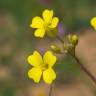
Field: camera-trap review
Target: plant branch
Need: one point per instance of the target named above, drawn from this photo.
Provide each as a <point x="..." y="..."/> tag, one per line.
<point x="72" y="53"/>
<point x="60" y="39"/>
<point x="85" y="69"/>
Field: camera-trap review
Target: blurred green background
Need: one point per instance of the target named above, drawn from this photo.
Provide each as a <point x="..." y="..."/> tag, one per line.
<point x="17" y="42"/>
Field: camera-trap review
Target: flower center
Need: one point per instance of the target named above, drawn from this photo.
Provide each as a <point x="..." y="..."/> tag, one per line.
<point x="46" y="26"/>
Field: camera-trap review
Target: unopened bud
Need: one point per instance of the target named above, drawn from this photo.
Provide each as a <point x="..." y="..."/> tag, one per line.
<point x="73" y="39"/>
<point x="68" y="47"/>
<point x="55" y="49"/>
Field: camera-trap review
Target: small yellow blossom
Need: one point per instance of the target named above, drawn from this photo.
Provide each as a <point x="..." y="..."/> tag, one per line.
<point x="93" y="22"/>
<point x="42" y="67"/>
<point x="44" y="24"/>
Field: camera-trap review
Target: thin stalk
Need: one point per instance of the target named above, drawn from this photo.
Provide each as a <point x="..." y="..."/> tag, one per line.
<point x="50" y="90"/>
<point x="60" y="39"/>
<point x="85" y="70"/>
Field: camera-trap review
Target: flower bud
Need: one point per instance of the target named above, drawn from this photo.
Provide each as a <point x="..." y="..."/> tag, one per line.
<point x="73" y="39"/>
<point x="68" y="48"/>
<point x="55" y="49"/>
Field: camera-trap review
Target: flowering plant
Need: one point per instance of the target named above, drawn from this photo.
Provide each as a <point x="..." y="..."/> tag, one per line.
<point x="42" y="66"/>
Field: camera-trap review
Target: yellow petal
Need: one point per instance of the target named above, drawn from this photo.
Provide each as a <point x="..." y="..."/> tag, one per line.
<point x="39" y="33"/>
<point x="49" y="75"/>
<point x="49" y="58"/>
<point x="93" y="22"/>
<point x="35" y="59"/>
<point x="37" y="22"/>
<point x="54" y="23"/>
<point x="47" y="15"/>
<point x="35" y="74"/>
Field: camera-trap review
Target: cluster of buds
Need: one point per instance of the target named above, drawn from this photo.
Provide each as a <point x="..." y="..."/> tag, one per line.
<point x="72" y="41"/>
<point x="56" y="49"/>
<point x="69" y="47"/>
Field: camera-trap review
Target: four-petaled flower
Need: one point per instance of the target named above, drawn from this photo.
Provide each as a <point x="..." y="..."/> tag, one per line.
<point x="42" y="67"/>
<point x="44" y="25"/>
<point x="93" y="22"/>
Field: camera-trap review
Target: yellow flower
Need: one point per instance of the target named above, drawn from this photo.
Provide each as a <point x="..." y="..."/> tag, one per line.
<point x="44" y="24"/>
<point x="93" y="22"/>
<point x="42" y="67"/>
